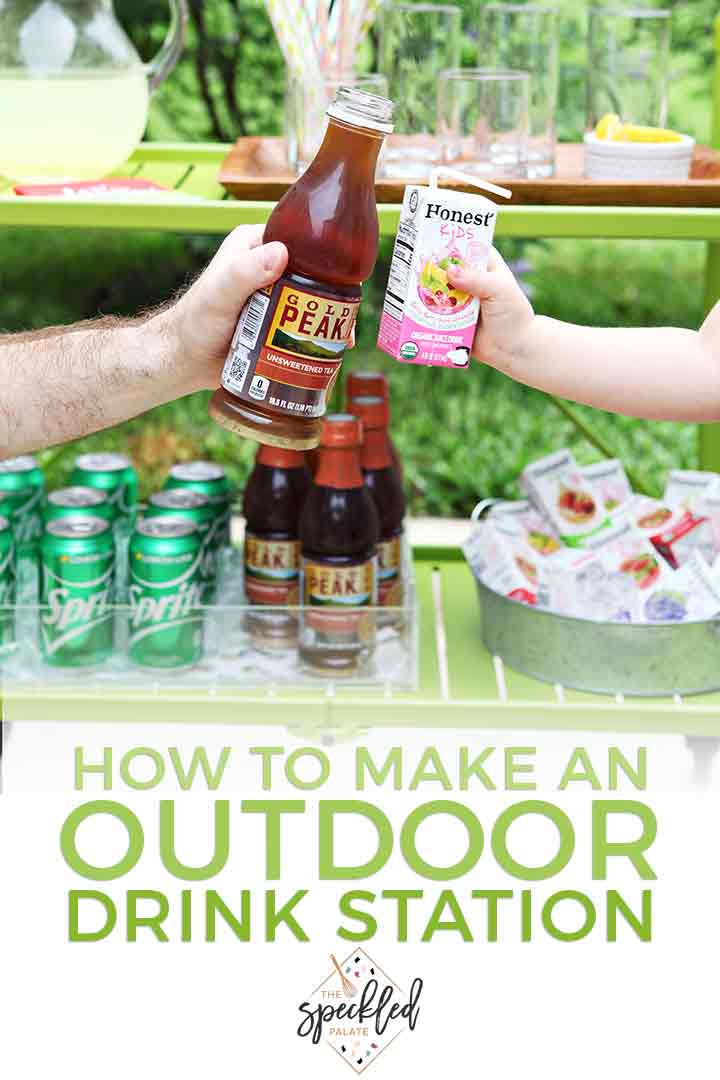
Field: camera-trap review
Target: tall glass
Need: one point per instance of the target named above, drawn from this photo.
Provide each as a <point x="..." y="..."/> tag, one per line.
<point x="524" y="37"/>
<point x="483" y="116"/>
<point x="306" y="105"/>
<point x="628" y="61"/>
<point x="417" y="42"/>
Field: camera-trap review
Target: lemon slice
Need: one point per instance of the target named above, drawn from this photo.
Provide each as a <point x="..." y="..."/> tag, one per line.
<point x="636" y="133"/>
<point x="607" y="125"/>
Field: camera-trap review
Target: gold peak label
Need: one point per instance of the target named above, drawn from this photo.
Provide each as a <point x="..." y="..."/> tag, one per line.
<point x="389" y="570"/>
<point x="271" y="571"/>
<point x="342" y="586"/>
<point x="302" y="317"/>
<point x="288" y="346"/>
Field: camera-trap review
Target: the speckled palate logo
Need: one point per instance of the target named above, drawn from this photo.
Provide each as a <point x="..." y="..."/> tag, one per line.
<point x="358" y="1010"/>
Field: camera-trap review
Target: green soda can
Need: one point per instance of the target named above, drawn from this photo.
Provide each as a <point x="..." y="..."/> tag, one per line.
<point x="21" y="494"/>
<point x="211" y="480"/>
<point x="194" y="506"/>
<point x="113" y="474"/>
<point x="79" y="502"/>
<point x="166" y="594"/>
<point x="77" y="570"/>
<point x="7" y="589"/>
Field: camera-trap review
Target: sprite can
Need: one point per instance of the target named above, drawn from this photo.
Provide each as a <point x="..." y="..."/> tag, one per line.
<point x="7" y="589"/>
<point x="76" y="592"/>
<point x="193" y="505"/>
<point x="78" y="502"/>
<point x="211" y="480"/>
<point x="21" y="495"/>
<point x="166" y="594"/>
<point x="113" y="474"/>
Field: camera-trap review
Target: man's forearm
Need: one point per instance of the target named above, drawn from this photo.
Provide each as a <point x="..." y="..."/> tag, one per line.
<point x="60" y="384"/>
<point x="659" y="373"/>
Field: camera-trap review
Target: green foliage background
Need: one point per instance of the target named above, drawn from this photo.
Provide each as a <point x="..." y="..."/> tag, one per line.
<point x="462" y="435"/>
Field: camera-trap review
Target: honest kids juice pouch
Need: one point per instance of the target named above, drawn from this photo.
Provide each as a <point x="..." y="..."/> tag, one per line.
<point x="566" y="497"/>
<point x="425" y="319"/>
<point x="685" y="486"/>
<point x="500" y="558"/>
<point x="610" y="481"/>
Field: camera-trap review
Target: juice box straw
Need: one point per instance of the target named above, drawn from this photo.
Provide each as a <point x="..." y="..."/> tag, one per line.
<point x="465" y="178"/>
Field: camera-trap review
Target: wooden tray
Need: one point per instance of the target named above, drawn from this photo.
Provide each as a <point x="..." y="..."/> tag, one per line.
<point x="256" y="169"/>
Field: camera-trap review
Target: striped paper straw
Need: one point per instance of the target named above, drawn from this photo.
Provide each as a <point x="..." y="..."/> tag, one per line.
<point x="292" y="30"/>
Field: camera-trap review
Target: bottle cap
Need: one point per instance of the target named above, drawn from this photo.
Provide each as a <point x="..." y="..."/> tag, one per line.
<point x="279" y="458"/>
<point x="361" y="109"/>
<point x="373" y="411"/>
<point x="360" y="383"/>
<point x="341" y="429"/>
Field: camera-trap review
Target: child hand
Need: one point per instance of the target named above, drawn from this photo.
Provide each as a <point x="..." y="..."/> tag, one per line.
<point x="506" y="314"/>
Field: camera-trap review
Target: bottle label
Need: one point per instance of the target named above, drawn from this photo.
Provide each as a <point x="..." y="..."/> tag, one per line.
<point x="332" y="586"/>
<point x="338" y="588"/>
<point x="272" y="570"/>
<point x="288" y="346"/>
<point x="390" y="591"/>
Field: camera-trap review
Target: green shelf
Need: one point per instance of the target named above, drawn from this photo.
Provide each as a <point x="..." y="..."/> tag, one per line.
<point x="460" y="686"/>
<point x="191" y="169"/>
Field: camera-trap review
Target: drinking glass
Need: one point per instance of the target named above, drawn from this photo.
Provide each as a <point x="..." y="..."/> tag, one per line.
<point x="628" y="58"/>
<point x="417" y="42"/>
<point x="306" y="103"/>
<point x="483" y="120"/>
<point x="524" y="37"/>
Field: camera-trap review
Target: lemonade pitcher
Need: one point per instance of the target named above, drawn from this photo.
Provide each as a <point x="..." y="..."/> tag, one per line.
<point x="74" y="93"/>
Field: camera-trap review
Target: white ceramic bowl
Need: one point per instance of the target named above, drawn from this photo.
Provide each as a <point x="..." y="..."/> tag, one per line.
<point x="608" y="160"/>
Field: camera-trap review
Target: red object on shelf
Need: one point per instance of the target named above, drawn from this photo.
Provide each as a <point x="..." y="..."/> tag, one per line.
<point x="98" y="188"/>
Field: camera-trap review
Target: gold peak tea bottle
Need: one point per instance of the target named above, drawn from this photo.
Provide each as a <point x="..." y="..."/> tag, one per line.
<point x="372" y="384"/>
<point x="384" y="485"/>
<point x="291" y="336"/>
<point x="339" y="534"/>
<point x="274" y="497"/>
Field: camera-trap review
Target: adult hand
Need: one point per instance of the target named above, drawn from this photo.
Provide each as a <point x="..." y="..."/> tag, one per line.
<point x="202" y="322"/>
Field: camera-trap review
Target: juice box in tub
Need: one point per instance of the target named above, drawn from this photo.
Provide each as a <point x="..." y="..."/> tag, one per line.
<point x="610" y="481"/>
<point x="709" y="505"/>
<point x="426" y="320"/>
<point x="568" y="499"/>
<point x="530" y="524"/>
<point x="648" y="515"/>
<point x="689" y="593"/>
<point x="608" y="577"/>
<point x="685" y="532"/>
<point x="674" y="531"/>
<point x="685" y="486"/>
<point x="499" y="557"/>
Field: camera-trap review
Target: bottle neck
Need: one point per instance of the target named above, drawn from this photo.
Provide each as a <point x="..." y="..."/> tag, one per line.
<point x="279" y="458"/>
<point x="339" y="467"/>
<point x="354" y="147"/>
<point x="375" y="453"/>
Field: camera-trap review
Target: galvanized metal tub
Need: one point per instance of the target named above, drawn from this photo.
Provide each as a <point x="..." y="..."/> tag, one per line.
<point x="657" y="660"/>
<point x="602" y="657"/>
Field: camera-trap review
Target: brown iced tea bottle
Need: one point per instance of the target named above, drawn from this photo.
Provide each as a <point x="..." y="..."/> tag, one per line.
<point x="291" y="336"/>
<point x="272" y="504"/>
<point x="372" y="384"/>
<point x="339" y="534"/>
<point x="383" y="484"/>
